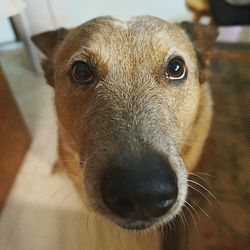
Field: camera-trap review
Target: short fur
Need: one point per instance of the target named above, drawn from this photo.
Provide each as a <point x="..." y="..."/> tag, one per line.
<point x="131" y="107"/>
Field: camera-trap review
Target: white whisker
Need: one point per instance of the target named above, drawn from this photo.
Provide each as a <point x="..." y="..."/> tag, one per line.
<point x="65" y="198"/>
<point x="195" y="224"/>
<point x="202" y="210"/>
<point x="205" y="174"/>
<point x="198" y="191"/>
<point x="186" y="222"/>
<point x="196" y="175"/>
<point x="193" y="209"/>
<point x="197" y="183"/>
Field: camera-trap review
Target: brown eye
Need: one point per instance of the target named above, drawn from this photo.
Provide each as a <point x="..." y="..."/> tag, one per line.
<point x="176" y="69"/>
<point x="82" y="73"/>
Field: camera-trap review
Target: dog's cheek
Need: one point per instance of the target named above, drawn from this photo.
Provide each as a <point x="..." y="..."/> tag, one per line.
<point x="68" y="107"/>
<point x="66" y="115"/>
<point x="186" y="113"/>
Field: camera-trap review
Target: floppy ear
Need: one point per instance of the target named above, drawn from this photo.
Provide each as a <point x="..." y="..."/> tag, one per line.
<point x="203" y="38"/>
<point x="47" y="43"/>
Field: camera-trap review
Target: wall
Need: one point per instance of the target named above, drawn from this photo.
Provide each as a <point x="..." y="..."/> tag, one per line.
<point x="6" y="33"/>
<point x="52" y="14"/>
<point x="46" y="15"/>
<point x="57" y="13"/>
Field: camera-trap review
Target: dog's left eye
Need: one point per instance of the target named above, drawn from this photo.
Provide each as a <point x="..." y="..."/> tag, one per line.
<point x="176" y="69"/>
<point x="82" y="73"/>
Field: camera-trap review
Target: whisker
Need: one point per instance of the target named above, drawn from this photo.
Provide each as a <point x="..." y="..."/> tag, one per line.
<point x="53" y="195"/>
<point x="197" y="183"/>
<point x="204" y="173"/>
<point x="196" y="175"/>
<point x="180" y="215"/>
<point x="202" y="210"/>
<point x="184" y="217"/>
<point x="163" y="231"/>
<point x="198" y="191"/>
<point x="169" y="226"/>
<point x="193" y="209"/>
<point x="195" y="224"/>
<point x="65" y="198"/>
<point x="174" y="225"/>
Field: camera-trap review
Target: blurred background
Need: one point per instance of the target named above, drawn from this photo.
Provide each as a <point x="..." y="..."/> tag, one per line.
<point x="40" y="16"/>
<point x="31" y="198"/>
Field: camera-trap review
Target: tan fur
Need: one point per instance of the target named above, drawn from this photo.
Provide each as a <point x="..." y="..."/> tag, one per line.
<point x="192" y="151"/>
<point x="131" y="107"/>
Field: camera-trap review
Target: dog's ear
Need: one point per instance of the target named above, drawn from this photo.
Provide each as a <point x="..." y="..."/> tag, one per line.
<point x="47" y="43"/>
<point x="203" y="38"/>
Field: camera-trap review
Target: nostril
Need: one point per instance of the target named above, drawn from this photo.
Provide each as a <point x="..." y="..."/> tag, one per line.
<point x="124" y="204"/>
<point x="166" y="203"/>
<point x="149" y="190"/>
<point x="168" y="199"/>
<point x="121" y="205"/>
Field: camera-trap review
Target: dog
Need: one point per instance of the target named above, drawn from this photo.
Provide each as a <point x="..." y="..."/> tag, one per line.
<point x="134" y="110"/>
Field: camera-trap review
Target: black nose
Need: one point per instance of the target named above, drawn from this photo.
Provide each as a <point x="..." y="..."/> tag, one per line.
<point x="140" y="189"/>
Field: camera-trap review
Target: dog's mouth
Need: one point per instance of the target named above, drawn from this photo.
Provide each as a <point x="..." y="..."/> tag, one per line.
<point x="142" y="223"/>
<point x="136" y="225"/>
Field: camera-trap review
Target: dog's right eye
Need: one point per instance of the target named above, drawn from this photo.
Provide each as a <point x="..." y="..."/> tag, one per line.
<point x="82" y="73"/>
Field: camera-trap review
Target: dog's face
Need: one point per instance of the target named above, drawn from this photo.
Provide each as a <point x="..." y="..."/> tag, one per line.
<point x="127" y="93"/>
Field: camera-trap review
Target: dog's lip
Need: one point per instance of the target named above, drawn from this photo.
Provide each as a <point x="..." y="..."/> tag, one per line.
<point x="140" y="225"/>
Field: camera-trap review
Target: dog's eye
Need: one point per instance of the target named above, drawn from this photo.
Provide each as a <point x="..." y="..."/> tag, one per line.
<point x="82" y="73"/>
<point x="176" y="69"/>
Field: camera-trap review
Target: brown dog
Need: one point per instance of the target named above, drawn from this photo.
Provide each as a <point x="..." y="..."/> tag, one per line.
<point x="134" y="110"/>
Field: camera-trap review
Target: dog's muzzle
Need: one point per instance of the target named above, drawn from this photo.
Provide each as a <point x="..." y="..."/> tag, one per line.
<point x="139" y="188"/>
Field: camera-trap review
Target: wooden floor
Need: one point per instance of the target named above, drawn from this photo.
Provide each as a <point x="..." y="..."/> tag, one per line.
<point x="14" y="139"/>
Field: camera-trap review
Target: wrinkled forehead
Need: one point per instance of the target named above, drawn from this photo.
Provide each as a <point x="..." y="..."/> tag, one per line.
<point x="114" y="40"/>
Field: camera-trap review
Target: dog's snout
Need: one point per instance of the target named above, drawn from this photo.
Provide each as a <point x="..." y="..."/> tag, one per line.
<point x="140" y="191"/>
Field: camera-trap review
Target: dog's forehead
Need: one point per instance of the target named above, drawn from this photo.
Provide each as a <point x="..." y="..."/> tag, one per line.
<point x="114" y="39"/>
<point x="137" y="32"/>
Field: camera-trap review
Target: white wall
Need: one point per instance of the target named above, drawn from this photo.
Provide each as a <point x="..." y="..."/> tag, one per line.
<point x="77" y="11"/>
<point x="51" y="14"/>
<point x="6" y="33"/>
<point x="56" y="13"/>
<point x="43" y="15"/>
